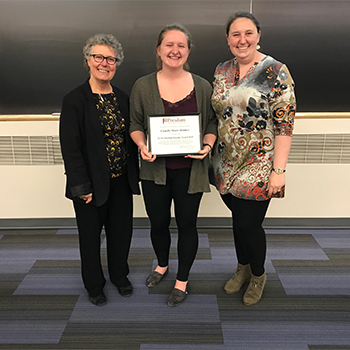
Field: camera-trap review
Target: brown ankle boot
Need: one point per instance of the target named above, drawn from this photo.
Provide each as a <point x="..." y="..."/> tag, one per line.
<point x="242" y="275"/>
<point x="255" y="290"/>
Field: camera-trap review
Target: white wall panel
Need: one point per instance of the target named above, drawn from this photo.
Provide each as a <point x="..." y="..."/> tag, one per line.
<point x="312" y="190"/>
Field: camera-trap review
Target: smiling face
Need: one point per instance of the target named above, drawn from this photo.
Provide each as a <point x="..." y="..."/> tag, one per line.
<point x="173" y="50"/>
<point x="242" y="39"/>
<point x="101" y="72"/>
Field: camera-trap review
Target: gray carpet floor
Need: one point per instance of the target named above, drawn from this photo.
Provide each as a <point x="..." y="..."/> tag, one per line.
<point x="306" y="302"/>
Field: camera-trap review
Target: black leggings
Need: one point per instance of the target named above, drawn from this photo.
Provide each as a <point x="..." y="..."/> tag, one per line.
<point x="248" y="233"/>
<point x="158" y="200"/>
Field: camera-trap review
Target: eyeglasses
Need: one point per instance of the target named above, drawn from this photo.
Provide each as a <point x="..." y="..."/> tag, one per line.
<point x="99" y="59"/>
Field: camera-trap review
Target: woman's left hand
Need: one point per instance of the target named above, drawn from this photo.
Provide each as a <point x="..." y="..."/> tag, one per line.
<point x="276" y="182"/>
<point x="201" y="154"/>
<point x="86" y="197"/>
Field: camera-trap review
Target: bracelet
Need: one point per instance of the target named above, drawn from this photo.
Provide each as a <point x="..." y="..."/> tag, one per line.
<point x="207" y="144"/>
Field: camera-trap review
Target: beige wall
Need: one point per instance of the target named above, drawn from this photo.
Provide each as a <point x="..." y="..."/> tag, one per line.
<point x="313" y="190"/>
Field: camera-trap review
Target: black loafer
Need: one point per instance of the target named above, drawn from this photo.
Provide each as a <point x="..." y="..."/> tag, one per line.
<point x="100" y="300"/>
<point x="155" y="277"/>
<point x="177" y="297"/>
<point x="125" y="291"/>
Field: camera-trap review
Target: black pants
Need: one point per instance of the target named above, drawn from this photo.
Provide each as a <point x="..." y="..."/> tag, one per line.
<point x="116" y="216"/>
<point x="158" y="200"/>
<point x="249" y="235"/>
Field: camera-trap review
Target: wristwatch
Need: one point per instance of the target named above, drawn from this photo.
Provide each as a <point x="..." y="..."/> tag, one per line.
<point x="279" y="171"/>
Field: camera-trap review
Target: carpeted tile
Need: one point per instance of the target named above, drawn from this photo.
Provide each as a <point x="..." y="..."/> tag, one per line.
<point x="316" y="284"/>
<point x="337" y="239"/>
<point x="18" y="266"/>
<point x="50" y="284"/>
<point x="145" y="307"/>
<point x="31" y="332"/>
<point x="306" y="304"/>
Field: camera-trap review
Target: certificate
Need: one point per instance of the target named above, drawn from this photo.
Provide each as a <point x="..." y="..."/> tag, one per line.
<point x="174" y="134"/>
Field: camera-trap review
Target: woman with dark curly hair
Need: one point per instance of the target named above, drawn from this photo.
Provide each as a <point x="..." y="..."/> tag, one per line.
<point x="255" y="105"/>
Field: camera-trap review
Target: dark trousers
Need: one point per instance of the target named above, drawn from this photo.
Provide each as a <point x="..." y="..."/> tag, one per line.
<point x="249" y="235"/>
<point x="116" y="217"/>
<point x="158" y="200"/>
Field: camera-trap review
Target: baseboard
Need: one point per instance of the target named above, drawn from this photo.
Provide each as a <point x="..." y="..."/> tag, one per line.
<point x="202" y="223"/>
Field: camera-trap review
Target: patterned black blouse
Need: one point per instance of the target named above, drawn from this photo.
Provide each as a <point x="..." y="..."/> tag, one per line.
<point x="113" y="128"/>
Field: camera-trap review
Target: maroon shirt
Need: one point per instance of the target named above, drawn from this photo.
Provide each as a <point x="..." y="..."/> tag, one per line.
<point x="186" y="105"/>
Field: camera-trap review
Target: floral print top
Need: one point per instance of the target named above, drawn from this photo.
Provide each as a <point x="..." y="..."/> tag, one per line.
<point x="251" y="111"/>
<point x="113" y="128"/>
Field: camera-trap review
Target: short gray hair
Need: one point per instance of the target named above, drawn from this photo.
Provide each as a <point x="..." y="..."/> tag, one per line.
<point x="103" y="39"/>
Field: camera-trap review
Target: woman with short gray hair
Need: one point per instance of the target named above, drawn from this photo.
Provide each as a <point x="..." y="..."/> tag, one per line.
<point x="101" y="166"/>
<point x="106" y="40"/>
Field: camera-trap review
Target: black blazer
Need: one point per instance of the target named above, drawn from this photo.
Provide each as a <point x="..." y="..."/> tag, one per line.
<point x="84" y="149"/>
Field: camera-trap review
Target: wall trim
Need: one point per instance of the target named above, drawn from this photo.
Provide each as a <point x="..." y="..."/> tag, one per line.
<point x="56" y="116"/>
<point x="202" y="223"/>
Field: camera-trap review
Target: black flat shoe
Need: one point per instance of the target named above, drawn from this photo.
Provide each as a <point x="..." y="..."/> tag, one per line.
<point x="125" y="291"/>
<point x="155" y="277"/>
<point x="177" y="297"/>
<point x="100" y="300"/>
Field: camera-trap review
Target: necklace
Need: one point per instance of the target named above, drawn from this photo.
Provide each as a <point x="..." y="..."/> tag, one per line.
<point x="111" y="109"/>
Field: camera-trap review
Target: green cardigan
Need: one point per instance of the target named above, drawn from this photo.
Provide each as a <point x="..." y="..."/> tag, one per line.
<point x="145" y="100"/>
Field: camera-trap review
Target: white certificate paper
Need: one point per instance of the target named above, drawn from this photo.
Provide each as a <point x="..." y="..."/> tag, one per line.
<point x="172" y="135"/>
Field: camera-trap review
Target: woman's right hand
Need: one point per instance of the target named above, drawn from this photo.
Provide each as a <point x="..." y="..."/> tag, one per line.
<point x="139" y="138"/>
<point x="146" y="155"/>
